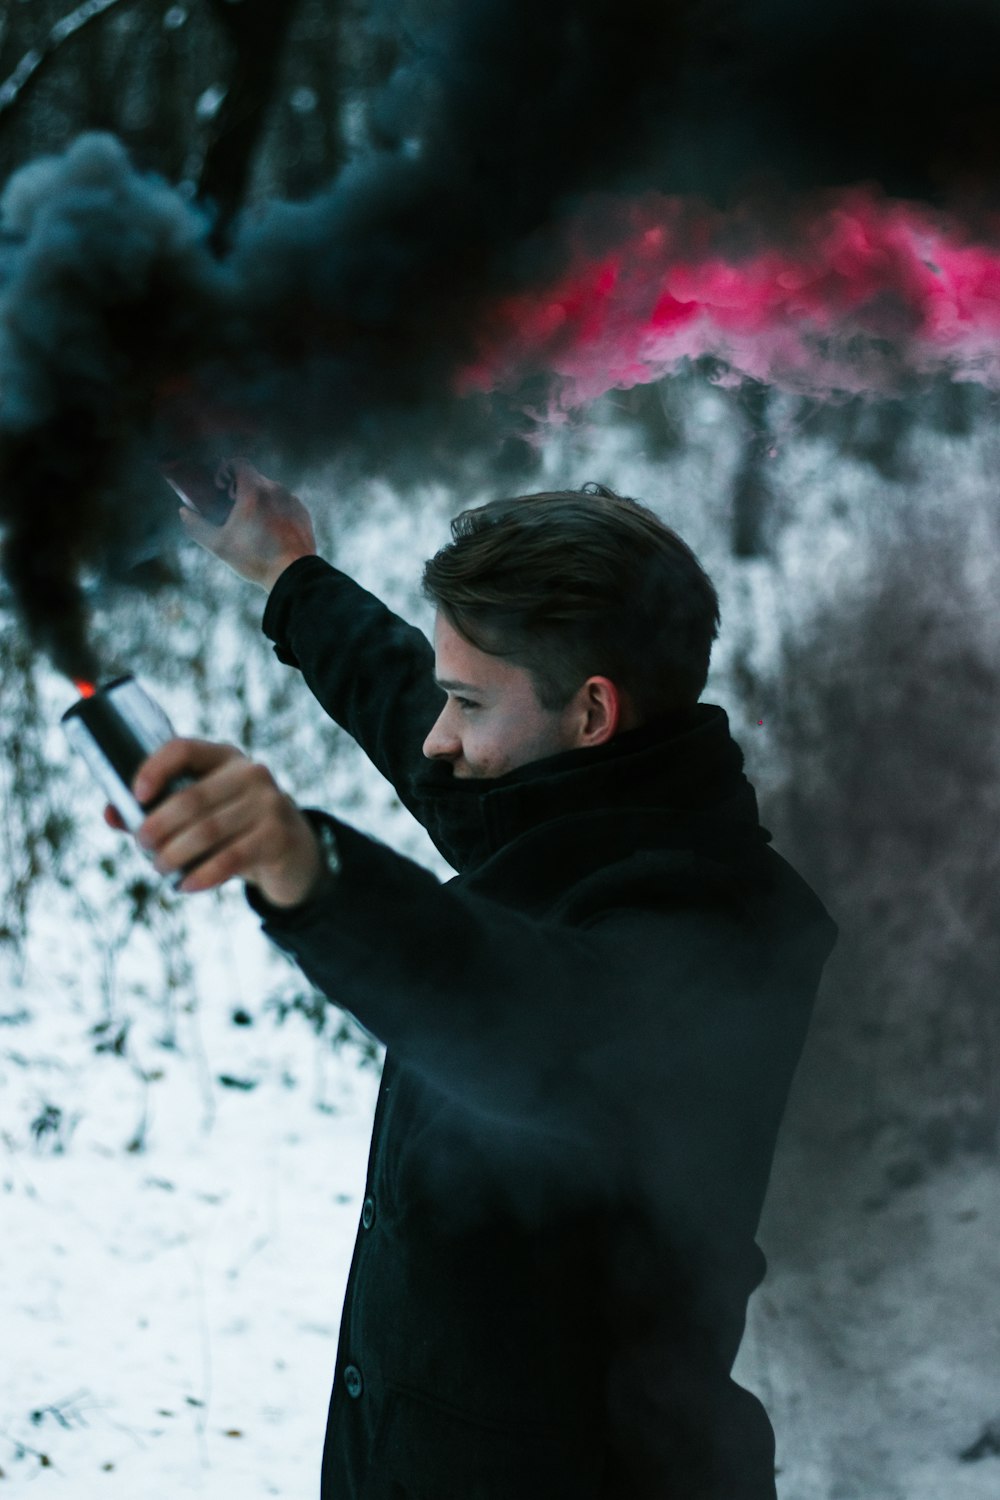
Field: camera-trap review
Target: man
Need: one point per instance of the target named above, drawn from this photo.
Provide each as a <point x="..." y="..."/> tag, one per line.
<point x="591" y="1031"/>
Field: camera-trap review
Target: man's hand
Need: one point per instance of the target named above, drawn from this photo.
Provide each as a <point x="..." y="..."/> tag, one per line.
<point x="267" y="529"/>
<point x="233" y="821"/>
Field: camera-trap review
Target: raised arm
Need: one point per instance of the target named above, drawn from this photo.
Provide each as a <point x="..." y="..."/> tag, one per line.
<point x="370" y="670"/>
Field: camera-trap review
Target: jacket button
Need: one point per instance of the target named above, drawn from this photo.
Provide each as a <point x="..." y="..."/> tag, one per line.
<point x="368" y="1213"/>
<point x="352" y="1379"/>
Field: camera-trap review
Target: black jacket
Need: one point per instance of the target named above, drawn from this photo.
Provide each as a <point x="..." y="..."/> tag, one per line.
<point x="591" y="1034"/>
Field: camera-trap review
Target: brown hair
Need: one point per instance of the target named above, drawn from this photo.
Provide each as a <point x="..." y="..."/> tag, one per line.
<point x="572" y="584"/>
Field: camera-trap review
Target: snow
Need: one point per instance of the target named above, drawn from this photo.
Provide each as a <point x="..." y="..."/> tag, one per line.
<point x="170" y="1313"/>
<point x="877" y="1361"/>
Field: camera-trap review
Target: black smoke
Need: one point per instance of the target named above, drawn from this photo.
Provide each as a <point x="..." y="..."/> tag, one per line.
<point x="337" y="326"/>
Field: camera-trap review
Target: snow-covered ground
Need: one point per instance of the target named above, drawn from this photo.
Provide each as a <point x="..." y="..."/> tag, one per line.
<point x="174" y="1248"/>
<point x="877" y="1353"/>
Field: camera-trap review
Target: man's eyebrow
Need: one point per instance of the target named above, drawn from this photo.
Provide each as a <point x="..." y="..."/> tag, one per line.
<point x="456" y="687"/>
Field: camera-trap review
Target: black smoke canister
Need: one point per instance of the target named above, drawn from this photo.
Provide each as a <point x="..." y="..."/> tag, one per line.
<point x="113" y="731"/>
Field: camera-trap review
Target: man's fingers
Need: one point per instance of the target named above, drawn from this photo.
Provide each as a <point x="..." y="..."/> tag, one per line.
<point x="190" y="841"/>
<point x="114" y="819"/>
<point x="235" y="858"/>
<point x="278" y="853"/>
<point x="179" y="757"/>
<point x="232" y="820"/>
<point x="189" y="810"/>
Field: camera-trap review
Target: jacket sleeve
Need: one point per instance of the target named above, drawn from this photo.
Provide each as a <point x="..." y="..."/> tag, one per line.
<point x="371" y="671"/>
<point x="560" y="1029"/>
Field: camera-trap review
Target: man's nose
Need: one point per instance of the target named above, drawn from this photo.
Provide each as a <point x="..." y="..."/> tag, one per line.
<point x="442" y="743"/>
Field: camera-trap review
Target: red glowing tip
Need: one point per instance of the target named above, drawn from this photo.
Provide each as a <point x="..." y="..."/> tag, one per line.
<point x="85" y="689"/>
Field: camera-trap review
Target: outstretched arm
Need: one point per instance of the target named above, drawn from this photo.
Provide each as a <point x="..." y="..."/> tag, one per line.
<point x="517" y="1018"/>
<point x="372" y="672"/>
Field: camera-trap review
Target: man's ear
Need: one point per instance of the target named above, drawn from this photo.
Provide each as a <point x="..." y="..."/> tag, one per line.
<point x="598" y="707"/>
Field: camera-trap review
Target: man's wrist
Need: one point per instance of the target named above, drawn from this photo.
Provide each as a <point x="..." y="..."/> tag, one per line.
<point x="322" y="871"/>
<point x="282" y="566"/>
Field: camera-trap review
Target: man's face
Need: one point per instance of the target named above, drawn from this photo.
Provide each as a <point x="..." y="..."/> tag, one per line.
<point x="492" y="721"/>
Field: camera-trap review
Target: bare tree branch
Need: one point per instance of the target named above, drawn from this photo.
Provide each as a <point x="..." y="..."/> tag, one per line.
<point x="257" y="31"/>
<point x="13" y="87"/>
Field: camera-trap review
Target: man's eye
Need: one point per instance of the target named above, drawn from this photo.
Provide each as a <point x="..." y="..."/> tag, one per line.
<point x="466" y="703"/>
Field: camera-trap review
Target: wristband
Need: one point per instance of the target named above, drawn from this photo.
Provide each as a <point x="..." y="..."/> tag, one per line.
<point x="329" y="853"/>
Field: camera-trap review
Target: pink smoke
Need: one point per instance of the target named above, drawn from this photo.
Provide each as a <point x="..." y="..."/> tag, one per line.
<point x="859" y="294"/>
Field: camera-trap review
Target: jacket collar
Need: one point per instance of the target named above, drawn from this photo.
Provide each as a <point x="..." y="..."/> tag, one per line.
<point x="688" y="764"/>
